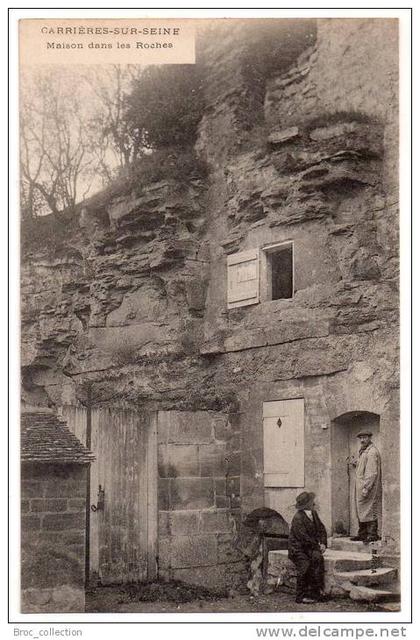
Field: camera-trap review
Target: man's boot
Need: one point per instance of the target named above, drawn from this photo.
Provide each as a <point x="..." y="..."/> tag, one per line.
<point x="372" y="531"/>
<point x="362" y="533"/>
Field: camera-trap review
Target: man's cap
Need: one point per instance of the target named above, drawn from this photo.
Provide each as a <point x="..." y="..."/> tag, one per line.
<point x="364" y="433"/>
<point x="304" y="500"/>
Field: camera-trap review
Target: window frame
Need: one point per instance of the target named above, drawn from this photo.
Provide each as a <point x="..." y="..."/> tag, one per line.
<point x="266" y="281"/>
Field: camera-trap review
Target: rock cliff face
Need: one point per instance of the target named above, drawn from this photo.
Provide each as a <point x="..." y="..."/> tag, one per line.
<point x="301" y="145"/>
<point x="134" y="287"/>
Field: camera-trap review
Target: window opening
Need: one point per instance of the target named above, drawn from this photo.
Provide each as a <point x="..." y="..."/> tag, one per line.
<point x="280" y="271"/>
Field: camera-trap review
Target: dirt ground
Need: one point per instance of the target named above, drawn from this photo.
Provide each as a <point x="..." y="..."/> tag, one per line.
<point x="117" y="599"/>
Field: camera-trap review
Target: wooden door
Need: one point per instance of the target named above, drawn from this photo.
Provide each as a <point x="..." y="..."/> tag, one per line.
<point x="283" y="425"/>
<point x="123" y="535"/>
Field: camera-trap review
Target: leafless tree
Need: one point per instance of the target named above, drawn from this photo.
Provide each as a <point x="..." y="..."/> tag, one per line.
<point x="55" y="155"/>
<point x="115" y="146"/>
<point x="73" y="134"/>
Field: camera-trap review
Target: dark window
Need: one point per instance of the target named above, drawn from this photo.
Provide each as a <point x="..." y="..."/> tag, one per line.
<point x="281" y="272"/>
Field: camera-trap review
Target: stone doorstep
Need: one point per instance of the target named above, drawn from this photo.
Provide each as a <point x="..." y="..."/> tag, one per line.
<point x="345" y="544"/>
<point x="367" y="594"/>
<point x="365" y="577"/>
<point x="389" y="605"/>
<point x="335" y="560"/>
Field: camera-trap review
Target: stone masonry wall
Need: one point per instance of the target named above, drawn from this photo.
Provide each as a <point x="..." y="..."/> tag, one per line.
<point x="199" y="498"/>
<point x="53" y="507"/>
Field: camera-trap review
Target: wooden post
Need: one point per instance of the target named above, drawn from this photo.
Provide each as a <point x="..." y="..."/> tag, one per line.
<point x="152" y="507"/>
<point x="88" y="445"/>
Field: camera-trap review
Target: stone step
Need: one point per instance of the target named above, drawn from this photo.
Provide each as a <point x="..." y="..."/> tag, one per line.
<point x="365" y="577"/>
<point x="334" y="560"/>
<point x="369" y="594"/>
<point x="282" y="572"/>
<point x="345" y="544"/>
<point x="390" y="605"/>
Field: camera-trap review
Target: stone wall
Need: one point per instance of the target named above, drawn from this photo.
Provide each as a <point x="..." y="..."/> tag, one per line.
<point x="53" y="507"/>
<point x="199" y="498"/>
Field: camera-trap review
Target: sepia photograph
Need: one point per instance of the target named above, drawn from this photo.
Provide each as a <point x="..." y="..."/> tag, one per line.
<point x="210" y="313"/>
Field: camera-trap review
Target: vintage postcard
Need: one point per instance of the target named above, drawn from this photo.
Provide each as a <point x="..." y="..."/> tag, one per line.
<point x="210" y="312"/>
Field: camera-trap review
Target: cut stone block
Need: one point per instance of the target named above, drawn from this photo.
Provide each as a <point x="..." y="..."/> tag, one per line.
<point x="193" y="551"/>
<point x="61" y="599"/>
<point x="367" y="594"/>
<point x="393" y="606"/>
<point x="192" y="493"/>
<point x="188" y="428"/>
<point x="213" y="460"/>
<point x="281" y="568"/>
<point x="346" y="560"/>
<point x="183" y="522"/>
<point x="163" y="494"/>
<point x="165" y="553"/>
<point x="178" y="460"/>
<point x="215" y="522"/>
<point x="365" y="577"/>
<point x="345" y="544"/>
<point x="334" y="559"/>
<point x="163" y="524"/>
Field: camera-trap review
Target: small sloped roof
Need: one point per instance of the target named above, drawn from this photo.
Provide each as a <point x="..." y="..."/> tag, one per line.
<point x="46" y="438"/>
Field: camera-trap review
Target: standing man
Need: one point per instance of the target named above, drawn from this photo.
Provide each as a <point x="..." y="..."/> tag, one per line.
<point x="368" y="488"/>
<point x="307" y="543"/>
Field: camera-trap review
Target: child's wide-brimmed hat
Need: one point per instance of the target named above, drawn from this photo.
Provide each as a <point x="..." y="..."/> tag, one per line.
<point x="305" y="500"/>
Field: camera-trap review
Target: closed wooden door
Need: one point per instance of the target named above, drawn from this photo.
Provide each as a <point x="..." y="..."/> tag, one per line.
<point x="122" y="532"/>
<point x="283" y="425"/>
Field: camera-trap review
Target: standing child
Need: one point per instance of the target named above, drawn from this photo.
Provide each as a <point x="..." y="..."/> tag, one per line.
<point x="307" y="543"/>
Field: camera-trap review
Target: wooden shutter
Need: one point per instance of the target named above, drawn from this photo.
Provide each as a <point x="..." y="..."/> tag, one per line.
<point x="283" y="424"/>
<point x="243" y="279"/>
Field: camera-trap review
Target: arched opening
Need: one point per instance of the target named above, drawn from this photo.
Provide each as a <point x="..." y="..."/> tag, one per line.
<point x="344" y="445"/>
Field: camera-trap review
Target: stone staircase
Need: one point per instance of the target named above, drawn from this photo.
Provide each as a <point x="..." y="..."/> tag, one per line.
<point x="348" y="573"/>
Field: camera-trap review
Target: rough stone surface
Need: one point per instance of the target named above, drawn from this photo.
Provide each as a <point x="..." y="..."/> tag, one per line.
<point x="192" y="493"/>
<point x="282" y="572"/>
<point x="134" y="300"/>
<point x="53" y="540"/>
<point x="367" y="594"/>
<point x="198" y="511"/>
<point x="178" y="460"/>
<point x="278" y="137"/>
<point x="193" y="551"/>
<point x="365" y="577"/>
<point x="61" y="599"/>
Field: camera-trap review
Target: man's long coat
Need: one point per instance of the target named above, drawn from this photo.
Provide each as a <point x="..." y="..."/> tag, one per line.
<point x="368" y="481"/>
<point x="305" y="536"/>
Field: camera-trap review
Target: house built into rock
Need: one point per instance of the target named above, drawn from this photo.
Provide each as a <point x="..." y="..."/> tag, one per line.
<point x="219" y="340"/>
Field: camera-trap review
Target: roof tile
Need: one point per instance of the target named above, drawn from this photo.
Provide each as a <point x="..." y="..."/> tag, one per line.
<point x="46" y="438"/>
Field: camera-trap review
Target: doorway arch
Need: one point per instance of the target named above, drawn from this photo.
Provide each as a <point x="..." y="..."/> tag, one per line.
<point x="344" y="444"/>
